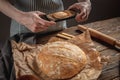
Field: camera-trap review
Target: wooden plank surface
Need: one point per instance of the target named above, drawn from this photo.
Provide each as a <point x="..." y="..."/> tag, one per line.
<point x="110" y="27"/>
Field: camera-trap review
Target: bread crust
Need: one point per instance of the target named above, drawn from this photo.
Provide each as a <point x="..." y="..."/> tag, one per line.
<point x="61" y="15"/>
<point x="61" y="60"/>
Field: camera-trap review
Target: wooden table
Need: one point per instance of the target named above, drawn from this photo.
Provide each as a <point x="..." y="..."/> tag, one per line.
<point x="110" y="27"/>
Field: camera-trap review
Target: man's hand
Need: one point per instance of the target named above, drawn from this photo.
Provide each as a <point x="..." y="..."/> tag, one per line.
<point x="34" y="22"/>
<point x="83" y="8"/>
<point x="31" y="20"/>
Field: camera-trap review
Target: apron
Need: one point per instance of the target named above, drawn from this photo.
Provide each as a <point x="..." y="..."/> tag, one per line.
<point x="46" y="6"/>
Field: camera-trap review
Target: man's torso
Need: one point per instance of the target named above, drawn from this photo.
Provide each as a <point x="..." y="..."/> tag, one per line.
<point x="46" y="6"/>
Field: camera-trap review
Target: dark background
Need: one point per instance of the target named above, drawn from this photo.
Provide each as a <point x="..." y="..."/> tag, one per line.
<point x="101" y="9"/>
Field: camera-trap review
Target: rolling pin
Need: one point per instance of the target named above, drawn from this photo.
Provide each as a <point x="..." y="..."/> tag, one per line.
<point x="103" y="37"/>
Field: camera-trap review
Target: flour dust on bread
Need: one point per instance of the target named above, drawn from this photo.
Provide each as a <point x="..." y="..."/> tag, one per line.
<point x="61" y="60"/>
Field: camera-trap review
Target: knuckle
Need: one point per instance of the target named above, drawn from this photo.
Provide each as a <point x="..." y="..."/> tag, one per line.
<point x="33" y="25"/>
<point x="34" y="30"/>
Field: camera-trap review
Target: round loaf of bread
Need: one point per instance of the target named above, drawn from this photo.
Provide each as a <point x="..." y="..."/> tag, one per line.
<point x="61" y="60"/>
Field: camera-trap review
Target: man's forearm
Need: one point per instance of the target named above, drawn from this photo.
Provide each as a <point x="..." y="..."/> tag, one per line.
<point x="9" y="10"/>
<point x="86" y="2"/>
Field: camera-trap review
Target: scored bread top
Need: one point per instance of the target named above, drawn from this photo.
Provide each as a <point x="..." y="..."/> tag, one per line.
<point x="61" y="60"/>
<point x="61" y="15"/>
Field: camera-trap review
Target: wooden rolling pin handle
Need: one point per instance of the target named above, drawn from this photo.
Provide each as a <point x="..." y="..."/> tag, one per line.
<point x="101" y="36"/>
<point x="117" y="44"/>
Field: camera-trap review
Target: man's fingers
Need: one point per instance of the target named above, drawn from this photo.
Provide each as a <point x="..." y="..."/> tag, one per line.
<point x="41" y="24"/>
<point x="50" y="23"/>
<point x="83" y="11"/>
<point x="40" y="13"/>
<point x="82" y="16"/>
<point x="45" y="22"/>
<point x="79" y="16"/>
<point x="74" y="6"/>
<point x="70" y="7"/>
<point x="40" y="28"/>
<point x="85" y="14"/>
